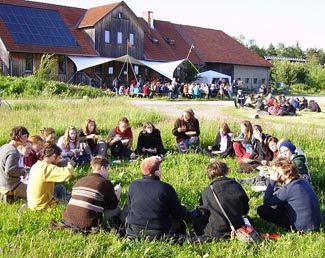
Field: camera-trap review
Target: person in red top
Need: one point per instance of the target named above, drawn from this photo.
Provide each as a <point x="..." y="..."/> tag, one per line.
<point x="187" y="131"/>
<point x="120" y="139"/>
<point x="35" y="155"/>
<point x="146" y="90"/>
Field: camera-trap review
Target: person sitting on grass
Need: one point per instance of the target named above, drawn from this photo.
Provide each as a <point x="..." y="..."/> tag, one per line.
<point x="89" y="138"/>
<point x="208" y="219"/>
<point x="10" y="172"/>
<point x="222" y="146"/>
<point x="297" y="205"/>
<point x="35" y="155"/>
<point x="43" y="175"/>
<point x="153" y="208"/>
<point x="94" y="200"/>
<point x="187" y="131"/>
<point x="149" y="141"/>
<point x="120" y="140"/>
<point x="48" y="134"/>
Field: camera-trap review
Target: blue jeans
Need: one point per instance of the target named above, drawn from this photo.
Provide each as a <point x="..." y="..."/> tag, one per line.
<point x="184" y="146"/>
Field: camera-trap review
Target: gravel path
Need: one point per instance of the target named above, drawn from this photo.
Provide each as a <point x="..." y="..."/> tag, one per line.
<point x="204" y="110"/>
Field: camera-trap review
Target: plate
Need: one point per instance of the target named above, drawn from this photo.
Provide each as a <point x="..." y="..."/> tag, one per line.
<point x="190" y="133"/>
<point x="124" y="141"/>
<point x="247" y="160"/>
<point x="259" y="188"/>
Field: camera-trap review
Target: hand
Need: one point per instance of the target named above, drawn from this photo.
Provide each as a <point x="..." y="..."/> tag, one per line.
<point x="72" y="162"/>
<point x="274" y="174"/>
<point x="209" y="147"/>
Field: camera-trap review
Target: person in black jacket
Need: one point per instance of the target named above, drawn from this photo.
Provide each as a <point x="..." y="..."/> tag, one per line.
<point x="222" y="145"/>
<point x="208" y="219"/>
<point x="149" y="141"/>
<point x="154" y="210"/>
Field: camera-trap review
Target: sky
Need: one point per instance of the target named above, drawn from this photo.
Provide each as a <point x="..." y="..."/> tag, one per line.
<point x="266" y="22"/>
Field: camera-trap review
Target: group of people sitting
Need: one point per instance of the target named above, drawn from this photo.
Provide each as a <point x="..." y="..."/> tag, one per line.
<point x="153" y="209"/>
<point x="276" y="106"/>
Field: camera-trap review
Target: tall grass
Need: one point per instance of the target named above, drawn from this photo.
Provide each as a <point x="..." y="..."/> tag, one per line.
<point x="27" y="235"/>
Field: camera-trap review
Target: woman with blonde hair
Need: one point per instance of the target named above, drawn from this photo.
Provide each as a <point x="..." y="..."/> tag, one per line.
<point x="70" y="146"/>
<point x="89" y="138"/>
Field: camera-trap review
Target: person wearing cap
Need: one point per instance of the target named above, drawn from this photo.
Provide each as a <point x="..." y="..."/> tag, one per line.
<point x="187" y="131"/>
<point x="297" y="205"/>
<point x="289" y="151"/>
<point x="154" y="210"/>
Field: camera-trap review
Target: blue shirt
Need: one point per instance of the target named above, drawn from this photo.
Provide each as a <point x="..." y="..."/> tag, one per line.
<point x="302" y="203"/>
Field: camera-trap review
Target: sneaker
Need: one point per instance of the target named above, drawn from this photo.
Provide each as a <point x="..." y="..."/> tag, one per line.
<point x="133" y="156"/>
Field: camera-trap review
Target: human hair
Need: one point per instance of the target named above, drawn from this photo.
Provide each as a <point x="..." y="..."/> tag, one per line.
<point x="225" y="128"/>
<point x="271" y="139"/>
<point x="288" y="167"/>
<point x="36" y="139"/>
<point x="216" y="169"/>
<point x="249" y="130"/>
<point x="258" y="127"/>
<point x="67" y="139"/>
<point x="98" y="161"/>
<point x="46" y="131"/>
<point x="190" y="112"/>
<point x="145" y="125"/>
<point x="17" y="132"/>
<point x="49" y="149"/>
<point x="85" y="129"/>
<point x="123" y="119"/>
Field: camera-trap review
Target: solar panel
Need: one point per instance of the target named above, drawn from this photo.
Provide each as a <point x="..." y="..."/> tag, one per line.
<point x="36" y="26"/>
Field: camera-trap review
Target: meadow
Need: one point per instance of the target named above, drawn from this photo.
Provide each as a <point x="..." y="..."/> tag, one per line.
<point x="26" y="234"/>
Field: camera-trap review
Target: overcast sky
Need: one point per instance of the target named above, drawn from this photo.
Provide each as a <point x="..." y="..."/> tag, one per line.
<point x="286" y="21"/>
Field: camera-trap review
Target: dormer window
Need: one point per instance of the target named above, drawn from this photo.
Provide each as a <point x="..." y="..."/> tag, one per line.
<point x="169" y="41"/>
<point x="153" y="39"/>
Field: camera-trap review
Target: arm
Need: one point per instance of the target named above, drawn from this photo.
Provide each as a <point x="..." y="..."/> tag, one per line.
<point x="269" y="198"/>
<point x="54" y="173"/>
<point x="11" y="166"/>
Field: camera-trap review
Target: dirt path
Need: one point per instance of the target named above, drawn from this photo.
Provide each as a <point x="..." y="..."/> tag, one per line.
<point x="204" y="110"/>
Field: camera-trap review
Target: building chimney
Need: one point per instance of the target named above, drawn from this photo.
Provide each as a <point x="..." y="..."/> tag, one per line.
<point x="148" y="17"/>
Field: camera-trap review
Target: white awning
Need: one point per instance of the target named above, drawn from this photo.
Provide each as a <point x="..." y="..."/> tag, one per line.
<point x="164" y="68"/>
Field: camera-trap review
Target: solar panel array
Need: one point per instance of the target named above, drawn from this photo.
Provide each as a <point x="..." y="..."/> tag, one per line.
<point x="36" y="26"/>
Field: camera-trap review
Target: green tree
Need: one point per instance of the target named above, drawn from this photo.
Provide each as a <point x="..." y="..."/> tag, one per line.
<point x="284" y="71"/>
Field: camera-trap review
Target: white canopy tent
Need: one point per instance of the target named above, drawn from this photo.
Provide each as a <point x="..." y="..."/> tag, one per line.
<point x="165" y="68"/>
<point x="208" y="76"/>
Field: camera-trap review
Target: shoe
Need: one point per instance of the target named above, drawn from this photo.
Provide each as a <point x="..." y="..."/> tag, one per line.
<point x="133" y="156"/>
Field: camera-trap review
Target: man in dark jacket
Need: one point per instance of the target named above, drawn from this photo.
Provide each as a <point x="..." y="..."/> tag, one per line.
<point x="208" y="218"/>
<point x="154" y="210"/>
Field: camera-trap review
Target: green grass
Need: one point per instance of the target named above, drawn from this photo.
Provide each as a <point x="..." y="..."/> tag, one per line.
<point x="27" y="234"/>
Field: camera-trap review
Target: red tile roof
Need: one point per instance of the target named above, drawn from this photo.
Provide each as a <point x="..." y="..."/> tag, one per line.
<point x="71" y="17"/>
<point x="162" y="50"/>
<point x="95" y="14"/>
<point x="210" y="46"/>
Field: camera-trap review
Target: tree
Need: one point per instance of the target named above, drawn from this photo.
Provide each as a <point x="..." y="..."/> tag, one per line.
<point x="284" y="71"/>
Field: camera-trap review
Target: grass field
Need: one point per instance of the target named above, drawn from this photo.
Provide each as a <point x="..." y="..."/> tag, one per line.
<point x="27" y="235"/>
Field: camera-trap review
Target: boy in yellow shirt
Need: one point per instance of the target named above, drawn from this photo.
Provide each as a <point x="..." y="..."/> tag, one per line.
<point x="43" y="176"/>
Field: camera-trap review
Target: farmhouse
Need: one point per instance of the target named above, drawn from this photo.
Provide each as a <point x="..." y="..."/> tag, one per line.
<point x="94" y="46"/>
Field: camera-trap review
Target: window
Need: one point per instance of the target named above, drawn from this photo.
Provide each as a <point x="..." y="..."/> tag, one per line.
<point x="120" y="15"/>
<point x="247" y="80"/>
<point x="132" y="39"/>
<point x="263" y="80"/>
<point x="110" y="70"/>
<point x="107" y="36"/>
<point x="255" y="81"/>
<point x="136" y="69"/>
<point x="62" y="63"/>
<point x="28" y="63"/>
<point x="119" y="37"/>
